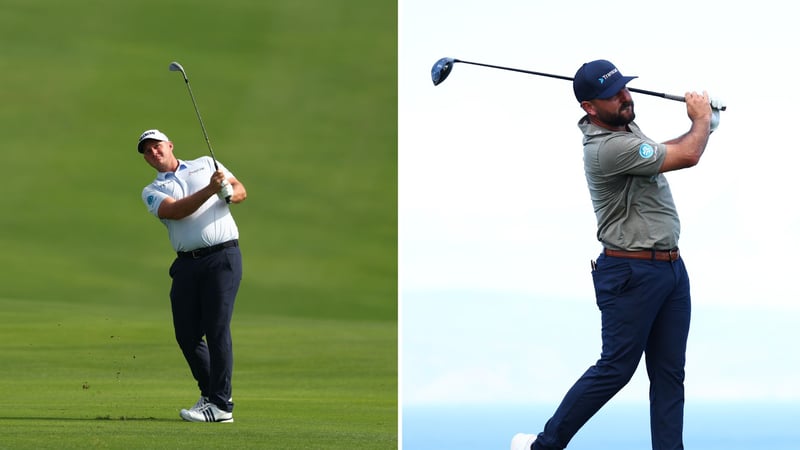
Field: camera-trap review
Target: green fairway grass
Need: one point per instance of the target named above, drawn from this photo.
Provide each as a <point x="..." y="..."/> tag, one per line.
<point x="300" y="103"/>
<point x="111" y="377"/>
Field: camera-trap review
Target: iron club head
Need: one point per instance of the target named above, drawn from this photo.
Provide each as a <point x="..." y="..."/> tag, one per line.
<point x="176" y="67"/>
<point x="441" y="70"/>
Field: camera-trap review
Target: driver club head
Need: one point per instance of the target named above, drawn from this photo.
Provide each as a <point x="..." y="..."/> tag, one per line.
<point x="441" y="70"/>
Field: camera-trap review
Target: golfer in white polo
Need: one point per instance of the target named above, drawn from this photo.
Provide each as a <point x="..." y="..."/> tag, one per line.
<point x="189" y="197"/>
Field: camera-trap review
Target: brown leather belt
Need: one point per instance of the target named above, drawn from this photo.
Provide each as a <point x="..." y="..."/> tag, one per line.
<point x="656" y="255"/>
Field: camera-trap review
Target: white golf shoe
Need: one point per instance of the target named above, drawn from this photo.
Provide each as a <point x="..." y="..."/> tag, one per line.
<point x="202" y="401"/>
<point x="522" y="441"/>
<point x="205" y="411"/>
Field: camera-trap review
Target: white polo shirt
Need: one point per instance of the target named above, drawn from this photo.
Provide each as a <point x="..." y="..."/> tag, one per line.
<point x="211" y="224"/>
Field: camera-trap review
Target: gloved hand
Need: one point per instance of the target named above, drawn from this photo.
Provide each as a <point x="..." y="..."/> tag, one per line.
<point x="714" y="119"/>
<point x="717" y="105"/>
<point x="226" y="192"/>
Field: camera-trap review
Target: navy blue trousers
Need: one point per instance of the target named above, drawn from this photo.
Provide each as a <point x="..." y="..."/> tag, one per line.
<point x="645" y="309"/>
<point x="202" y="295"/>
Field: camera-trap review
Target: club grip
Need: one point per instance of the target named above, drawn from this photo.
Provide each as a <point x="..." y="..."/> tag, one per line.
<point x="228" y="199"/>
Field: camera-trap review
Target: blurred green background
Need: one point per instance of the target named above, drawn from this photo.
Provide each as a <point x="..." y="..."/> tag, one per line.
<point x="300" y="102"/>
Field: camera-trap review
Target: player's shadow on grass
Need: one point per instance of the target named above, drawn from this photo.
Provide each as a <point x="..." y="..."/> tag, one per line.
<point x="98" y="418"/>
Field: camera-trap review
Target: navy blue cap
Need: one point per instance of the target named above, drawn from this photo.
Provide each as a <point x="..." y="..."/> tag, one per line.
<point x="598" y="79"/>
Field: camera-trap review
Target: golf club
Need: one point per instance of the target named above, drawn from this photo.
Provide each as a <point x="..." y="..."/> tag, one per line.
<point x="176" y="67"/>
<point x="442" y="68"/>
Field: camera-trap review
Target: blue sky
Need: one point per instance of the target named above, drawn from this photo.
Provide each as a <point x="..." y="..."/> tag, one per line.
<point x="496" y="227"/>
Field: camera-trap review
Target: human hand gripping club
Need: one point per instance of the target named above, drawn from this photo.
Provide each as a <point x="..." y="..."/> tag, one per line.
<point x="226" y="192"/>
<point x="221" y="186"/>
<point x="701" y="104"/>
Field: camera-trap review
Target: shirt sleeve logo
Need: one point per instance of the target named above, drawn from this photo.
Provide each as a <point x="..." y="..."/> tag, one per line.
<point x="150" y="199"/>
<point x="646" y="151"/>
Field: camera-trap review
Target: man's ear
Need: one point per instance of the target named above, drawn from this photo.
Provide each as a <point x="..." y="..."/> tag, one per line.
<point x="588" y="107"/>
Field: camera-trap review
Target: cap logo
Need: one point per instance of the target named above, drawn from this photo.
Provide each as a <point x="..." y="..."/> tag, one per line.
<point x="607" y="76"/>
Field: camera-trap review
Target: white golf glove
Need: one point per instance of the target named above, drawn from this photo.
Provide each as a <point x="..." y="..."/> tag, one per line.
<point x="714" y="119"/>
<point x="717" y="105"/>
<point x="226" y="191"/>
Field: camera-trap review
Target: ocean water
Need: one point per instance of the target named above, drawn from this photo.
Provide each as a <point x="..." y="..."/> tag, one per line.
<point x="734" y="426"/>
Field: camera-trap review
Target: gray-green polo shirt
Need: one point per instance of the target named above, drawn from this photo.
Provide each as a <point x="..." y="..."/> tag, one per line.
<point x="631" y="199"/>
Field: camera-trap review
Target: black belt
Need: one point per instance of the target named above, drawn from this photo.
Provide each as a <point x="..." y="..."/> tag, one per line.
<point x="200" y="252"/>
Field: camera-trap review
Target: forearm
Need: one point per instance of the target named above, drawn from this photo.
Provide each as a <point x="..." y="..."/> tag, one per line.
<point x="239" y="192"/>
<point x="178" y="209"/>
<point x="697" y="134"/>
<point x="686" y="150"/>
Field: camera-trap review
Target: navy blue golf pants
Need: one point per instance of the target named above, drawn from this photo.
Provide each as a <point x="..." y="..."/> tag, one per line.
<point x="645" y="309"/>
<point x="202" y="295"/>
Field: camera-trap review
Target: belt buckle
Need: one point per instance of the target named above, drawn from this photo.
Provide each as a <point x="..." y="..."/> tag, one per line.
<point x="196" y="254"/>
<point x="673" y="254"/>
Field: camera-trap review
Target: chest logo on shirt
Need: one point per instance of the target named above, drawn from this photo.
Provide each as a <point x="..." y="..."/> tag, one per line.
<point x="646" y="151"/>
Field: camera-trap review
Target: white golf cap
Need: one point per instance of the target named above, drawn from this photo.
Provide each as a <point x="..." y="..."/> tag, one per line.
<point x="151" y="134"/>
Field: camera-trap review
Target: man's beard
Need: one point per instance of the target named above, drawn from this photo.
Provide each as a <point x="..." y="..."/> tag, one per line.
<point x="619" y="119"/>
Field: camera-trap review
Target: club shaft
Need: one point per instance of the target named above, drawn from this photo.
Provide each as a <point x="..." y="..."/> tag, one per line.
<point x="530" y="72"/>
<point x="175" y="66"/>
<point x="561" y="77"/>
<point x="200" y="119"/>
